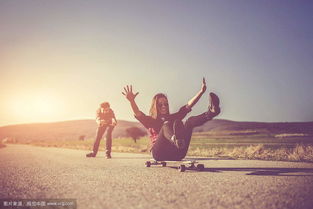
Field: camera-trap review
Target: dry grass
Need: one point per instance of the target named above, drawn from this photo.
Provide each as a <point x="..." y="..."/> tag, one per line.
<point x="236" y="148"/>
<point x="290" y="135"/>
<point x="260" y="152"/>
<point x="2" y="145"/>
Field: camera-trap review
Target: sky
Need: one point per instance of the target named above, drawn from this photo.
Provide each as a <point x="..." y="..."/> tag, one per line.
<point x="60" y="59"/>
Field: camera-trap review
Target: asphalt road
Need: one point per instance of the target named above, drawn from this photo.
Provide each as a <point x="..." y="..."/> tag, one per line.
<point x="28" y="172"/>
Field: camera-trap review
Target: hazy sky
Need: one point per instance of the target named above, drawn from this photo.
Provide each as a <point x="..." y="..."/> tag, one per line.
<point x="60" y="59"/>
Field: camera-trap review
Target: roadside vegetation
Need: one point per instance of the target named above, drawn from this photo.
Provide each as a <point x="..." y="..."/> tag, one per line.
<point x="222" y="145"/>
<point x="2" y="145"/>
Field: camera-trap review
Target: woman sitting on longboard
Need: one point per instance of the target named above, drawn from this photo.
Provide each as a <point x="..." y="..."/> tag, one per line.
<point x="170" y="137"/>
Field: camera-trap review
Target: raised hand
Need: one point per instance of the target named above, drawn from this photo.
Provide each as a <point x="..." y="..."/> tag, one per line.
<point x="128" y="93"/>
<point x="203" y="87"/>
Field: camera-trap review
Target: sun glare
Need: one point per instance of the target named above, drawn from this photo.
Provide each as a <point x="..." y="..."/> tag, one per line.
<point x="44" y="106"/>
<point x="36" y="108"/>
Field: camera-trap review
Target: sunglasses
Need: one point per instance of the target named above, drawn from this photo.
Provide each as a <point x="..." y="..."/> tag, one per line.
<point x="162" y="104"/>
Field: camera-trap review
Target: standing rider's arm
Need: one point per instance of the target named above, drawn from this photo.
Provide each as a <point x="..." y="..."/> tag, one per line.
<point x="98" y="120"/>
<point x="196" y="98"/>
<point x="114" y="121"/>
<point x="130" y="96"/>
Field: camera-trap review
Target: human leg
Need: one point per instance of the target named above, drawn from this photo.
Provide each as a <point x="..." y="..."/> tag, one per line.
<point x="213" y="110"/>
<point x="199" y="120"/>
<point x="100" y="132"/>
<point x="164" y="148"/>
<point x="108" y="142"/>
<point x="174" y="132"/>
<point x="190" y="123"/>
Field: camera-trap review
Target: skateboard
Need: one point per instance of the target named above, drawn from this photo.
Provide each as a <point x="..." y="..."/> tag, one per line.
<point x="183" y="165"/>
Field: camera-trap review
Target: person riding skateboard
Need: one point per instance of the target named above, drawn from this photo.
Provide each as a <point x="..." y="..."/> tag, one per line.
<point x="106" y="121"/>
<point x="169" y="136"/>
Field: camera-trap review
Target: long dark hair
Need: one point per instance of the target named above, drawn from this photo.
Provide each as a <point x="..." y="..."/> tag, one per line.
<point x="154" y="113"/>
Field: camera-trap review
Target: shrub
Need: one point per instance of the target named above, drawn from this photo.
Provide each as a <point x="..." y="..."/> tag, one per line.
<point x="135" y="133"/>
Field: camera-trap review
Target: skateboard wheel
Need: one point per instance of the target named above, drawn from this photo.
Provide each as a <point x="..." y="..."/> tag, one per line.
<point x="148" y="163"/>
<point x="163" y="164"/>
<point x="200" y="167"/>
<point x="182" y="168"/>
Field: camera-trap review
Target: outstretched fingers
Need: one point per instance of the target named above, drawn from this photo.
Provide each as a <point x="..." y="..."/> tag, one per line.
<point x="128" y="92"/>
<point x="203" y="87"/>
<point x="125" y="90"/>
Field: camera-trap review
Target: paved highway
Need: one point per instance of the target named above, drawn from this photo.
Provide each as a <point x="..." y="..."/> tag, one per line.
<point x="28" y="172"/>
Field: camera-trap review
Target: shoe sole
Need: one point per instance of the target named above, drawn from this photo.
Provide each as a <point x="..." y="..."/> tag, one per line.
<point x="179" y="139"/>
<point x="215" y="101"/>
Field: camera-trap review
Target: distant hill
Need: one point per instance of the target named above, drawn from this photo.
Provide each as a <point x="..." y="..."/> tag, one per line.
<point x="61" y="130"/>
<point x="219" y="125"/>
<point x="75" y="129"/>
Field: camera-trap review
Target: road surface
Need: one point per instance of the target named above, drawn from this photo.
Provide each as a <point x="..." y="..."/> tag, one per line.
<point x="124" y="182"/>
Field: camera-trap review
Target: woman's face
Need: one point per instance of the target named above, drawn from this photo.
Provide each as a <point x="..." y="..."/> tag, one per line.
<point x="162" y="105"/>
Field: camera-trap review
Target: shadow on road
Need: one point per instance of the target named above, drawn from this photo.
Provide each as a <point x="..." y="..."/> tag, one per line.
<point x="267" y="171"/>
<point x="124" y="158"/>
<point x="210" y="158"/>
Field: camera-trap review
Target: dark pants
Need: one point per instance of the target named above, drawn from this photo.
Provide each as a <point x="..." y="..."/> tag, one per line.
<point x="100" y="132"/>
<point x="164" y="148"/>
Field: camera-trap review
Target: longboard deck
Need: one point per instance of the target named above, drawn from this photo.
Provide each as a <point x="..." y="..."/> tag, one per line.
<point x="181" y="165"/>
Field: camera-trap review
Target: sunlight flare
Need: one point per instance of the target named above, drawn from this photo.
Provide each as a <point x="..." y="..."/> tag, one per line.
<point x="36" y="107"/>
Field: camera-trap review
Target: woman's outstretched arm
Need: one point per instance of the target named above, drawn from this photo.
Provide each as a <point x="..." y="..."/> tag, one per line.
<point x="130" y="96"/>
<point x="196" y="98"/>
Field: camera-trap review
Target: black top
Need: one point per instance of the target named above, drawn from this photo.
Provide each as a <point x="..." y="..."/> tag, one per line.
<point x="157" y="123"/>
<point x="105" y="115"/>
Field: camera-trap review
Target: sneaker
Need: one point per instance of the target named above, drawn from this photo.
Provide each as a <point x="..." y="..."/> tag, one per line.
<point x="178" y="136"/>
<point x="108" y="156"/>
<point x="91" y="154"/>
<point x="214" y="107"/>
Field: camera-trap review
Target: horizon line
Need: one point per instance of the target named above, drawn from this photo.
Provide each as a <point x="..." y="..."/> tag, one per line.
<point x="71" y="120"/>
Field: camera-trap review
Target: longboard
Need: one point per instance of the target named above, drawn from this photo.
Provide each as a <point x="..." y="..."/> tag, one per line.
<point x="181" y="165"/>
